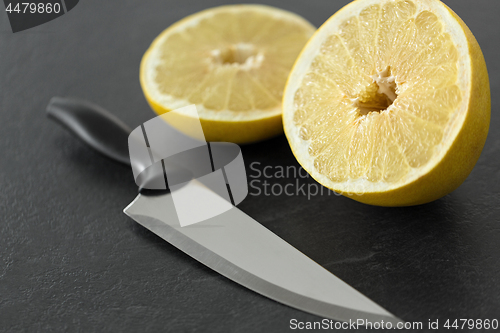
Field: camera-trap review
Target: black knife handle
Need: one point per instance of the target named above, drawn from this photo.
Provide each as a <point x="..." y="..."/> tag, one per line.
<point x="94" y="125"/>
<point x="105" y="133"/>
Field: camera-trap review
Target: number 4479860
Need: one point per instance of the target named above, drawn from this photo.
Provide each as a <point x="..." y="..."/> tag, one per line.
<point x="472" y="324"/>
<point x="31" y="7"/>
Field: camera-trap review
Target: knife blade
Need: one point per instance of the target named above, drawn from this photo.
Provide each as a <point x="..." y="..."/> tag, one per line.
<point x="232" y="243"/>
<point x="238" y="247"/>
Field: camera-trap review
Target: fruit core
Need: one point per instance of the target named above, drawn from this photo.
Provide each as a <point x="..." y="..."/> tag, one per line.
<point x="243" y="55"/>
<point x="378" y="96"/>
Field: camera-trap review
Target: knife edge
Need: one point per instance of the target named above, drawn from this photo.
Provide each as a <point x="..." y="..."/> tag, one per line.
<point x="249" y="280"/>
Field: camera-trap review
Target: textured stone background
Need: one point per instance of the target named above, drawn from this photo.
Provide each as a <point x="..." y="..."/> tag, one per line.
<point x="70" y="260"/>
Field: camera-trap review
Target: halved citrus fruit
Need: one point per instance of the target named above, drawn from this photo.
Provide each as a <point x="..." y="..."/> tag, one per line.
<point x="389" y="102"/>
<point x="232" y="62"/>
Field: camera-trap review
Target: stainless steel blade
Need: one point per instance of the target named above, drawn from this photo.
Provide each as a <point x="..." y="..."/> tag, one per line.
<point x="240" y="248"/>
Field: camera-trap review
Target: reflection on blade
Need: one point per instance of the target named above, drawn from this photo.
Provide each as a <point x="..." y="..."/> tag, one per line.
<point x="240" y="248"/>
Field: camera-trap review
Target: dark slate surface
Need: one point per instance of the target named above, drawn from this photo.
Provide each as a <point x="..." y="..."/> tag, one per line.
<point x="70" y="260"/>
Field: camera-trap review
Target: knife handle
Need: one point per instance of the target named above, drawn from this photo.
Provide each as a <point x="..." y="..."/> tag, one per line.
<point x="107" y="134"/>
<point x="93" y="125"/>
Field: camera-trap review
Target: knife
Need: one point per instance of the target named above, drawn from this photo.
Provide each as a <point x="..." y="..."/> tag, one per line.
<point x="232" y="243"/>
